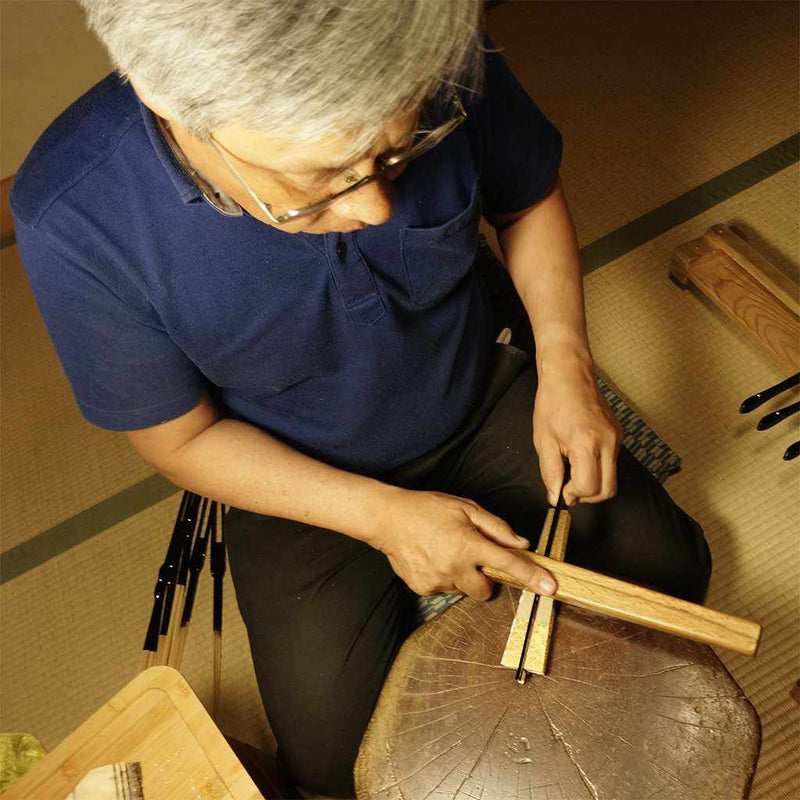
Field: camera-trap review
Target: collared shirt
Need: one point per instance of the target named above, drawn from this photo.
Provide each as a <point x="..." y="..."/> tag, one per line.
<point x="363" y="350"/>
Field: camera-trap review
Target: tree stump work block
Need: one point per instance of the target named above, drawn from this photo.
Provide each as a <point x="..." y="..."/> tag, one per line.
<point x="625" y="713"/>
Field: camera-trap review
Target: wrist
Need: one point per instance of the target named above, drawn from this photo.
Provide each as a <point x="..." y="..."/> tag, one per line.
<point x="563" y="353"/>
<point x="379" y="501"/>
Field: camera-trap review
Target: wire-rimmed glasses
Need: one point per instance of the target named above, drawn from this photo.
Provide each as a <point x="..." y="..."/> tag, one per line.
<point x="384" y="164"/>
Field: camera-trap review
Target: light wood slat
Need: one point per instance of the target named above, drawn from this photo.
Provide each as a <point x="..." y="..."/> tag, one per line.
<point x="516" y="636"/>
<point x="747" y="288"/>
<point x="615" y="598"/>
<point x="539" y="644"/>
<point x="756" y="265"/>
<point x="747" y="302"/>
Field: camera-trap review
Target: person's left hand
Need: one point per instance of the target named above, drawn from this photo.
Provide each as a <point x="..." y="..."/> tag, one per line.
<point x="572" y="420"/>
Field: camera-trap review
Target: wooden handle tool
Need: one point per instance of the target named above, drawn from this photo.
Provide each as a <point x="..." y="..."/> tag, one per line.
<point x="627" y="601"/>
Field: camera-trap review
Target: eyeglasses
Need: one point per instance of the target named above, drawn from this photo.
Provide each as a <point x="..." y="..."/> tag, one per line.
<point x="428" y="141"/>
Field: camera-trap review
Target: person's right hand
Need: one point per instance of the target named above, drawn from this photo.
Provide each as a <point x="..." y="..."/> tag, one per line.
<point x="437" y="542"/>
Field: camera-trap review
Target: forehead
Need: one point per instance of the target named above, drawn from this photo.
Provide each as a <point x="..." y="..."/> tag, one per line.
<point x="283" y="153"/>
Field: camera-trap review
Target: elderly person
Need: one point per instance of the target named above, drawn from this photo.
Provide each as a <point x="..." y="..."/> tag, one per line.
<point x="254" y="249"/>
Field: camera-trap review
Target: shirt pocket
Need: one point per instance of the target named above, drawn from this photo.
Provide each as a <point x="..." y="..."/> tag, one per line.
<point x="437" y="259"/>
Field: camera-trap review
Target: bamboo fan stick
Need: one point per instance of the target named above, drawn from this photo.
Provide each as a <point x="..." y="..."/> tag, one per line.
<point x="150" y="647"/>
<point x="517" y="643"/>
<point x="217" y="564"/>
<point x="539" y="645"/>
<point x="193" y="525"/>
<point x="188" y="525"/>
<point x="196" y="563"/>
<point x="171" y="565"/>
<point x="627" y="601"/>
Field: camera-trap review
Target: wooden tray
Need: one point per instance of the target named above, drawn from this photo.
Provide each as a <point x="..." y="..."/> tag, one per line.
<point x="158" y="721"/>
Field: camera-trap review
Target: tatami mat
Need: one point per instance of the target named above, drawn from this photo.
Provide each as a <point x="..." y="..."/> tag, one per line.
<point x="653" y="98"/>
<point x="687" y="368"/>
<point x="73" y="630"/>
<point x="54" y="463"/>
<point x="47" y="59"/>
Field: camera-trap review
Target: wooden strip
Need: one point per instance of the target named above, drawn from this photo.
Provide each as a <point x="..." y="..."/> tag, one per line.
<point x="519" y="625"/>
<point x="615" y="598"/>
<point x="539" y="646"/>
<point x="756" y="265"/>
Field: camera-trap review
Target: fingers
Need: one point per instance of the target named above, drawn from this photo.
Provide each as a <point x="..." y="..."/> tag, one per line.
<point x="585" y="475"/>
<point x="518" y="567"/>
<point x="593" y="463"/>
<point x="494" y="528"/>
<point x="551" y="467"/>
<point x="608" y="481"/>
<point x="475" y="584"/>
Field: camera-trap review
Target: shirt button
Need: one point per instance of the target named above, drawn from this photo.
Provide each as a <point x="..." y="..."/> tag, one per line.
<point x="341" y="250"/>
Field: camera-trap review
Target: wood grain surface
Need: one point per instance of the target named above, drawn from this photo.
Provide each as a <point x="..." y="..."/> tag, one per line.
<point x="625" y="713"/>
<point x="748" y="303"/>
<point x="747" y="288"/>
<point x="158" y="721"/>
<point x="627" y="601"/>
<point x="787" y="291"/>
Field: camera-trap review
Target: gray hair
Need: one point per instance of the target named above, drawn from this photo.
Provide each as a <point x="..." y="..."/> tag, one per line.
<point x="300" y="68"/>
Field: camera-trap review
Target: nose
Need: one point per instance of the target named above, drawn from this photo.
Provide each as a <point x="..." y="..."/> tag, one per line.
<point x="371" y="204"/>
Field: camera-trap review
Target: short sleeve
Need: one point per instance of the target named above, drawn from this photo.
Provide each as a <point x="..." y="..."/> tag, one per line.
<point x="124" y="370"/>
<point x="520" y="148"/>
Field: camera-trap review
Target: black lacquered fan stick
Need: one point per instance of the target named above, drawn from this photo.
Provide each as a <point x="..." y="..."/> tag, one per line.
<point x="754" y="401"/>
<point x="217" y="565"/>
<point x="792" y="451"/>
<point x="197" y="560"/>
<point x="171" y="565"/>
<point x="154" y="626"/>
<point x="766" y="422"/>
<point x="195" y="565"/>
<point x="190" y="522"/>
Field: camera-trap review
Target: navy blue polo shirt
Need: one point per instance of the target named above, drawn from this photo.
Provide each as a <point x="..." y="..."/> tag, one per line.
<point x="364" y="350"/>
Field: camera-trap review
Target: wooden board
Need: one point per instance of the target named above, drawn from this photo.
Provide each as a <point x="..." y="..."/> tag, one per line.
<point x="722" y="237"/>
<point x="754" y="294"/>
<point x="157" y="720"/>
<point x="625" y="713"/>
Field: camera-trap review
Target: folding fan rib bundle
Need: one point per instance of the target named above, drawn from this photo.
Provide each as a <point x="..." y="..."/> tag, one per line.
<point x="198" y="529"/>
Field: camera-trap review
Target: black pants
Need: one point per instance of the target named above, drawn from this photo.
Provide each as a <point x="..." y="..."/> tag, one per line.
<point x="326" y="615"/>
